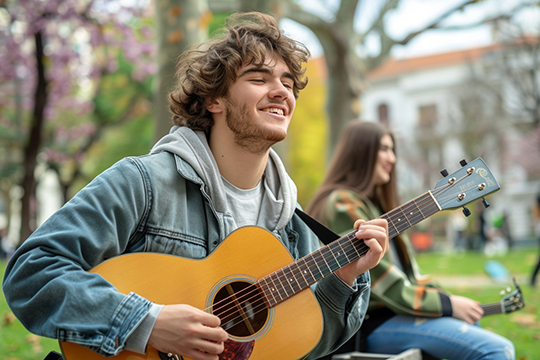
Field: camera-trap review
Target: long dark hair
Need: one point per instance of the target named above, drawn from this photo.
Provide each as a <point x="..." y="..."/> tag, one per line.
<point x="352" y="168"/>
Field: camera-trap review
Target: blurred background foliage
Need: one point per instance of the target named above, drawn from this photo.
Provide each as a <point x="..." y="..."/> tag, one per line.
<point x="84" y="84"/>
<point x="307" y="140"/>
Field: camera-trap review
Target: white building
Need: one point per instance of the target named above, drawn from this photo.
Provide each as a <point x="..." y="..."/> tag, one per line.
<point x="447" y="107"/>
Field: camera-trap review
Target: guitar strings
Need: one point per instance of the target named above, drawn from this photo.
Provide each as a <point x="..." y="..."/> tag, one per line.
<point x="252" y="292"/>
<point x="256" y="310"/>
<point x="254" y="289"/>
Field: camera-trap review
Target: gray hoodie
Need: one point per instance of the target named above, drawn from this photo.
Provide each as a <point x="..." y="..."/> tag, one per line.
<point x="279" y="201"/>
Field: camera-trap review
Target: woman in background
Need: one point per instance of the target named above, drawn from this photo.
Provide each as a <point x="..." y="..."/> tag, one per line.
<point x="405" y="310"/>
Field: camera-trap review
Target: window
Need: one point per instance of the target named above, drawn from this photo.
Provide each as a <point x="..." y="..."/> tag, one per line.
<point x="428" y="116"/>
<point x="383" y="114"/>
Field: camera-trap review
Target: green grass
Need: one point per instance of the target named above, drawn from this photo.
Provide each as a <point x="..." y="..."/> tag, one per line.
<point x="522" y="327"/>
<point x="519" y="261"/>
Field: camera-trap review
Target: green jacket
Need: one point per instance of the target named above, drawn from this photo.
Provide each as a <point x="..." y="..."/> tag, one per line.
<point x="402" y="290"/>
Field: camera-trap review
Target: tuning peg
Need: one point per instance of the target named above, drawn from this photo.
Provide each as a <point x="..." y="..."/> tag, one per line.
<point x="485" y="202"/>
<point x="444" y="172"/>
<point x="466" y="211"/>
<point x="463" y="162"/>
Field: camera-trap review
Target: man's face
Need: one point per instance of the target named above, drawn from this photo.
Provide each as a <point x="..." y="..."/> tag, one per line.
<point x="260" y="104"/>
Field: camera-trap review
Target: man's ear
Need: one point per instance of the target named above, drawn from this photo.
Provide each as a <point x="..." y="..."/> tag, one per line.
<point x="214" y="105"/>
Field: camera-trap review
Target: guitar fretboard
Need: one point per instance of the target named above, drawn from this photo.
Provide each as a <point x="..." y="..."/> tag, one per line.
<point x="306" y="271"/>
<point x="410" y="213"/>
<point x="492" y="308"/>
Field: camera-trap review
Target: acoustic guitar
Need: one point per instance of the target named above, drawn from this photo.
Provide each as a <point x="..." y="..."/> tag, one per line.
<point x="255" y="287"/>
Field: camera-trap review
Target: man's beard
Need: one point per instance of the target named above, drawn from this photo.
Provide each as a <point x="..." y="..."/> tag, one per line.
<point x="254" y="138"/>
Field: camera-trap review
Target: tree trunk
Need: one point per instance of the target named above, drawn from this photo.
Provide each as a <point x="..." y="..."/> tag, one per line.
<point x="343" y="102"/>
<point x="180" y="24"/>
<point x="344" y="86"/>
<point x="33" y="145"/>
<point x="344" y="83"/>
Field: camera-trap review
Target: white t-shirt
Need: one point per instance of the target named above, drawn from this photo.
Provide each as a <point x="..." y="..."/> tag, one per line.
<point x="245" y="202"/>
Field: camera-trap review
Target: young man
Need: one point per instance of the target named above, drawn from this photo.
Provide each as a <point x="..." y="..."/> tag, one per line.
<point x="214" y="173"/>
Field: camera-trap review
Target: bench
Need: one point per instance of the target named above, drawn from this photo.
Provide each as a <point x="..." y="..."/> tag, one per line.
<point x="411" y="354"/>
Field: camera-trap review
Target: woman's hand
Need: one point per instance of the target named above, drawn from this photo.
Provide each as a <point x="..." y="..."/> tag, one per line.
<point x="466" y="309"/>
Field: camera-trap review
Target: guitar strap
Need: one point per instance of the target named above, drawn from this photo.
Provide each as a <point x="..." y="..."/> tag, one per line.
<point x="323" y="233"/>
<point x="53" y="355"/>
<point x="357" y="342"/>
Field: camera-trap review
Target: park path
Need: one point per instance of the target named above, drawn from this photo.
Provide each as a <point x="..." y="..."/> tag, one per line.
<point x="477" y="280"/>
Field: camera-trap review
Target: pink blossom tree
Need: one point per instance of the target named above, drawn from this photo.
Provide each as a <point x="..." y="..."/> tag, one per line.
<point x="56" y="59"/>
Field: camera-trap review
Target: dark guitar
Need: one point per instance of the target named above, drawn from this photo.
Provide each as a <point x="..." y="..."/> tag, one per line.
<point x="251" y="282"/>
<point x="509" y="303"/>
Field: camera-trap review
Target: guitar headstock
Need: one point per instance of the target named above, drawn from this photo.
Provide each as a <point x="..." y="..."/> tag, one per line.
<point x="472" y="182"/>
<point x="513" y="300"/>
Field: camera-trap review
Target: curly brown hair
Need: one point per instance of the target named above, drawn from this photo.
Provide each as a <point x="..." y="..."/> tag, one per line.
<point x="207" y="70"/>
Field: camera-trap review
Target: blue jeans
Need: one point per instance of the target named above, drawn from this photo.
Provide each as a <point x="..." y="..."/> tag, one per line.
<point x="445" y="338"/>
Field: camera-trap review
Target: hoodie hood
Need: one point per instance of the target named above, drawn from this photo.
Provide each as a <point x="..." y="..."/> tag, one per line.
<point x="192" y="147"/>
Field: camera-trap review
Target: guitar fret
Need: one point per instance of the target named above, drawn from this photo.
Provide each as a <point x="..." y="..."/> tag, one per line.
<point x="400" y="223"/>
<point x="275" y="290"/>
<point x="339" y="253"/>
<point x="329" y="259"/>
<point x="322" y="267"/>
<point x="404" y="217"/>
<point x="351" y="239"/>
<point x="306" y="272"/>
<point x="280" y="290"/>
<point x="395" y="231"/>
<point x="422" y="216"/>
<point x="359" y="246"/>
<point x="409" y="214"/>
<point x="268" y="290"/>
<point x="285" y="284"/>
<point x="302" y="282"/>
<point x="429" y="208"/>
<point x="290" y="278"/>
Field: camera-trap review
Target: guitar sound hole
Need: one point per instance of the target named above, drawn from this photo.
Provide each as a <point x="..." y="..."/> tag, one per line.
<point x="241" y="308"/>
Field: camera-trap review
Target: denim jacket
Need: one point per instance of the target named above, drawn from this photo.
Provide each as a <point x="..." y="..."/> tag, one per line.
<point x="142" y="204"/>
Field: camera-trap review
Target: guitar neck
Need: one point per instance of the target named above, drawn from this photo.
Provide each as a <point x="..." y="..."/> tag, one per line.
<point x="411" y="213"/>
<point x="306" y="271"/>
<point x="492" y="308"/>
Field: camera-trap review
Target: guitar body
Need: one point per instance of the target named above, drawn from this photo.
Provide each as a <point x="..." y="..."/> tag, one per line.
<point x="288" y="331"/>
